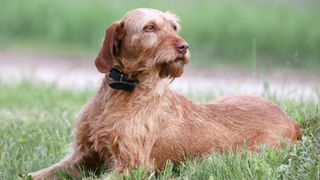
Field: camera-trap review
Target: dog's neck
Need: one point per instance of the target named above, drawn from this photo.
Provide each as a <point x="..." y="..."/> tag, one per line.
<point x="119" y="80"/>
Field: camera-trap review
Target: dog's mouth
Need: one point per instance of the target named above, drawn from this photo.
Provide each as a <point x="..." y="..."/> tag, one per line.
<point x="173" y="69"/>
<point x="181" y="59"/>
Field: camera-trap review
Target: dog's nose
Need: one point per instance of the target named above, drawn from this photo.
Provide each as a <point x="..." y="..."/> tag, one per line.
<point x="182" y="46"/>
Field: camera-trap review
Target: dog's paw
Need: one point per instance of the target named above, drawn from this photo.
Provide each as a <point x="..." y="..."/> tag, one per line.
<point x="39" y="175"/>
<point x="33" y="176"/>
<point x="24" y="176"/>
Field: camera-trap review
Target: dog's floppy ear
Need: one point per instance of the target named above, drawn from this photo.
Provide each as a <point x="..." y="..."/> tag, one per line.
<point x="110" y="47"/>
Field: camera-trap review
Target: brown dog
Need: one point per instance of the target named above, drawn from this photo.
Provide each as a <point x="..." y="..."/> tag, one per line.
<point x="138" y="120"/>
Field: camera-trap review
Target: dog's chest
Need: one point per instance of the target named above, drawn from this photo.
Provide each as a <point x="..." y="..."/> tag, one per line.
<point x="125" y="121"/>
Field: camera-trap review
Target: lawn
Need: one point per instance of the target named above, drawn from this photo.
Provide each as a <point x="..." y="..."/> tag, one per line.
<point x="37" y="124"/>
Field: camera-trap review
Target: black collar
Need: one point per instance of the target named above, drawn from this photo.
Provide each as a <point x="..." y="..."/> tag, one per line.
<point x="120" y="81"/>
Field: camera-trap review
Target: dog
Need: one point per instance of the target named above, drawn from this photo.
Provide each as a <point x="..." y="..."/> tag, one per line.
<point x="136" y="119"/>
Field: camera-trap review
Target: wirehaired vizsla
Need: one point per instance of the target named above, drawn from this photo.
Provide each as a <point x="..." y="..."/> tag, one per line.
<point x="136" y="119"/>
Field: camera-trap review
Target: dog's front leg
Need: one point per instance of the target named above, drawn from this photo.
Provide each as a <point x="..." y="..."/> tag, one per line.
<point x="122" y="164"/>
<point x="82" y="155"/>
<point x="68" y="164"/>
<point x="137" y="154"/>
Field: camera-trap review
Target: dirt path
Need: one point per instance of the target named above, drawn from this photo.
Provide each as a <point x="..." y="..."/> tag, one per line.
<point x="79" y="72"/>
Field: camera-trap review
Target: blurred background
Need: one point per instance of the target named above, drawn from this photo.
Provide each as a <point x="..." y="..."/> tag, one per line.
<point x="261" y="43"/>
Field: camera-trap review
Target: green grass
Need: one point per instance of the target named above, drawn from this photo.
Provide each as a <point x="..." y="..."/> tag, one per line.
<point x="37" y="125"/>
<point x="247" y="32"/>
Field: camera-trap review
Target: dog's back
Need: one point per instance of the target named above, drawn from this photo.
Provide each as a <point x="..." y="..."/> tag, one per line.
<point x="198" y="129"/>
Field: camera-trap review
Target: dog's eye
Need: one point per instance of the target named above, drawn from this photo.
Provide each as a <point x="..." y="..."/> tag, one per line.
<point x="174" y="27"/>
<point x="149" y="28"/>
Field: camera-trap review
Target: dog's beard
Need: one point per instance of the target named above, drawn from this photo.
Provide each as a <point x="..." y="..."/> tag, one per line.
<point x="171" y="70"/>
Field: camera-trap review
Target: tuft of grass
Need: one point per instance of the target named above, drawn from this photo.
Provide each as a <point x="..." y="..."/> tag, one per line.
<point x="273" y="32"/>
<point x="37" y="122"/>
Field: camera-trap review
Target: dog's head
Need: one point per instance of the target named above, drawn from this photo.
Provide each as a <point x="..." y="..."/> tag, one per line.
<point x="144" y="40"/>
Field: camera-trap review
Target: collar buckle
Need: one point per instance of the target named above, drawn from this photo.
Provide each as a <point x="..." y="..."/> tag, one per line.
<point x="121" y="81"/>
